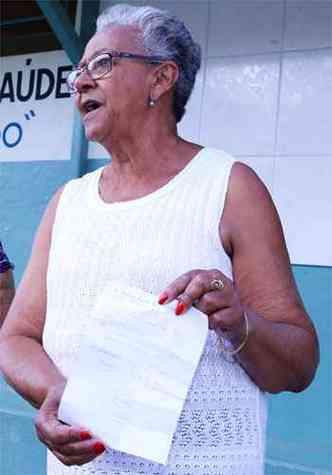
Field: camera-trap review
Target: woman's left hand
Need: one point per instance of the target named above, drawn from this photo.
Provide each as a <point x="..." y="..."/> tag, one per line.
<point x="211" y="292"/>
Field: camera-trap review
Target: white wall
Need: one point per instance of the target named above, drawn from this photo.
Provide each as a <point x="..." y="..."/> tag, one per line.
<point x="264" y="94"/>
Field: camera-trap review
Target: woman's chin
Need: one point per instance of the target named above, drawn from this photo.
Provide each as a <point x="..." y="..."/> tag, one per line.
<point x="93" y="134"/>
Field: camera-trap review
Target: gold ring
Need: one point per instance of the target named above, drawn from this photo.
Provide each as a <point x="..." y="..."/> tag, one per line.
<point x="217" y="284"/>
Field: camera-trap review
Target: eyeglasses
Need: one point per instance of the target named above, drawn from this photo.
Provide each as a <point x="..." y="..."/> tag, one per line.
<point x="102" y="65"/>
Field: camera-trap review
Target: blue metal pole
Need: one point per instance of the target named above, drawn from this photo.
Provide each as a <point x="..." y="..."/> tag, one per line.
<point x="79" y="145"/>
<point x="73" y="44"/>
<point x="90" y="9"/>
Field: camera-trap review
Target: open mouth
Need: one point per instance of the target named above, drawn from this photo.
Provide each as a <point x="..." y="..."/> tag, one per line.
<point x="90" y="106"/>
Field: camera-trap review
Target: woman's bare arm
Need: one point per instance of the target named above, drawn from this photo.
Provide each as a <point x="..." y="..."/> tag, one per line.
<point x="282" y="350"/>
<point x="7" y="292"/>
<point x="28" y="368"/>
<point x="23" y="361"/>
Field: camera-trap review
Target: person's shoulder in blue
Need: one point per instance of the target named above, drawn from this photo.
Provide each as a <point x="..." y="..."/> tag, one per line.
<point x="7" y="286"/>
<point x="5" y="263"/>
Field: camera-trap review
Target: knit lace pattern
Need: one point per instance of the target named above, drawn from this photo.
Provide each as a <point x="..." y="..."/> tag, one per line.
<point x="147" y="243"/>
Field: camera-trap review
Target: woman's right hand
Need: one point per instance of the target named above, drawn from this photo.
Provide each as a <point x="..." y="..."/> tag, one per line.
<point x="71" y="445"/>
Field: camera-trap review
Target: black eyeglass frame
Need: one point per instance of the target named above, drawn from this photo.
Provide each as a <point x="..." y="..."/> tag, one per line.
<point x="111" y="55"/>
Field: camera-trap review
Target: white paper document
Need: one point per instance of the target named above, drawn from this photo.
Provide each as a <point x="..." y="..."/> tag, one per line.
<point x="133" y="371"/>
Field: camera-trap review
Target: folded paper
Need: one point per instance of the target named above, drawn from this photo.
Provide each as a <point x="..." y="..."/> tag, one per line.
<point x="133" y="371"/>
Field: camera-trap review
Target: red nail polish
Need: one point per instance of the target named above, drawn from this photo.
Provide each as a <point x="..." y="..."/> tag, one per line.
<point x="85" y="435"/>
<point x="99" y="448"/>
<point x="162" y="298"/>
<point x="180" y="308"/>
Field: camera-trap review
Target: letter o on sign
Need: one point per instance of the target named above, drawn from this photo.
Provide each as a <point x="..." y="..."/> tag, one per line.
<point x="12" y="134"/>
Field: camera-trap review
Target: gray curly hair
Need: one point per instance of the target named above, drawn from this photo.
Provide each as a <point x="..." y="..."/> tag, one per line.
<point x="162" y="34"/>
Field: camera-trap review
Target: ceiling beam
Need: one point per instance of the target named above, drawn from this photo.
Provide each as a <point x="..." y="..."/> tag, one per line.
<point x="19" y="20"/>
<point x="63" y="28"/>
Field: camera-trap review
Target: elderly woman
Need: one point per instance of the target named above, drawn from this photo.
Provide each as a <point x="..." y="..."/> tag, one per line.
<point x="7" y="286"/>
<point x="177" y="220"/>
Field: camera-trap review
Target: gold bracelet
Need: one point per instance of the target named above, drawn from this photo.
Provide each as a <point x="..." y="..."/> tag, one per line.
<point x="242" y="344"/>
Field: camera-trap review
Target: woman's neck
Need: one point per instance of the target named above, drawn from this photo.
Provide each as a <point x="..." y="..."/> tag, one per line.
<point x="140" y="166"/>
<point x="139" y="146"/>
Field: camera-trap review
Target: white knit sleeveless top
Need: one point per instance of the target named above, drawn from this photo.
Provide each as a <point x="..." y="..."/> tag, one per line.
<point x="147" y="243"/>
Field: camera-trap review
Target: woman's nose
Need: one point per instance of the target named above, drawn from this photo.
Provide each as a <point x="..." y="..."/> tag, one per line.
<point x="84" y="81"/>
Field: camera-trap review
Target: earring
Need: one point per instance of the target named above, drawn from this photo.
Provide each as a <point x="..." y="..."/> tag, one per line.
<point x="152" y="102"/>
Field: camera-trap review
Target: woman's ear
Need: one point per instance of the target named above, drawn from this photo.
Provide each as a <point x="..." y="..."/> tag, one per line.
<point x="165" y="77"/>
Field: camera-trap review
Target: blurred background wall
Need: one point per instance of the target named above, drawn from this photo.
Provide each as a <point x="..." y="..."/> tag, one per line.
<point x="264" y="94"/>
